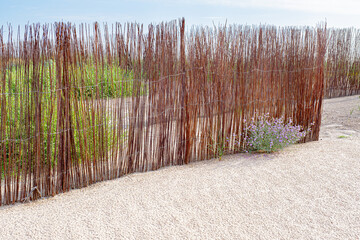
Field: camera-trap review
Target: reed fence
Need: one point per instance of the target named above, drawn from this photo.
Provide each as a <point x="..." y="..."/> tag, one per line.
<point x="90" y="103"/>
<point x="342" y="69"/>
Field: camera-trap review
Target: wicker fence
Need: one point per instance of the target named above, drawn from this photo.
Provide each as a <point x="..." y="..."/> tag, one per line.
<point x="342" y="69"/>
<point x="79" y="105"/>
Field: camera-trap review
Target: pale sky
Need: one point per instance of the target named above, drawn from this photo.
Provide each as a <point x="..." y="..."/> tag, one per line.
<point x="337" y="13"/>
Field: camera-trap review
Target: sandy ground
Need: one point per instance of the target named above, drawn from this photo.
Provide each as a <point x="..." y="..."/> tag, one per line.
<point x="307" y="191"/>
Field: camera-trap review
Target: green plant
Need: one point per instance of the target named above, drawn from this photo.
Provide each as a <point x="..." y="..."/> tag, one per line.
<point x="217" y="147"/>
<point x="21" y="89"/>
<point x="269" y="135"/>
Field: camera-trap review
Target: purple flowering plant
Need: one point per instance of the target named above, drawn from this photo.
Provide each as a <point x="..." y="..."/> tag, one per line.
<point x="266" y="134"/>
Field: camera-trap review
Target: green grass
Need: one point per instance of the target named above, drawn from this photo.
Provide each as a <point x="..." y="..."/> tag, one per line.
<point x="88" y="80"/>
<point x="87" y="84"/>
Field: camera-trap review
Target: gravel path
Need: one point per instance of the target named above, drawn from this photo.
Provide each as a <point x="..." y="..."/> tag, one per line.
<point x="307" y="191"/>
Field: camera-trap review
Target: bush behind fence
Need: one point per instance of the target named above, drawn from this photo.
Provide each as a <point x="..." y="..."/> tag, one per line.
<point x="80" y="106"/>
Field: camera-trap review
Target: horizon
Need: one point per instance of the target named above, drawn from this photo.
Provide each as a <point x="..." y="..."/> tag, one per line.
<point x="335" y="14"/>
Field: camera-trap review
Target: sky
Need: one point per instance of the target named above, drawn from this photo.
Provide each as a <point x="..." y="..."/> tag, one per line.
<point x="336" y="13"/>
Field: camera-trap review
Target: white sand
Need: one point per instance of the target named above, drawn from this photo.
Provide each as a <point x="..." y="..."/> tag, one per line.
<point x="307" y="191"/>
